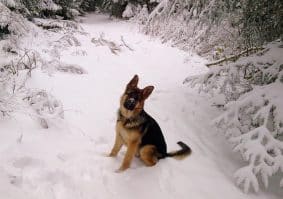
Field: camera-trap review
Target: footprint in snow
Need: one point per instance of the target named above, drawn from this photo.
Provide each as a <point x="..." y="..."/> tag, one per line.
<point x="16" y="180"/>
<point x="63" y="157"/>
<point x="27" y="162"/>
<point x="101" y="140"/>
<point x="101" y="145"/>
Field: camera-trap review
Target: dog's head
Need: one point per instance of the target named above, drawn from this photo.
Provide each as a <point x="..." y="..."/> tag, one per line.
<point x="132" y="101"/>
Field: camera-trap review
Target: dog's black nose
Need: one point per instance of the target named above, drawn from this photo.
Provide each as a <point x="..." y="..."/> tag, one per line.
<point x="130" y="104"/>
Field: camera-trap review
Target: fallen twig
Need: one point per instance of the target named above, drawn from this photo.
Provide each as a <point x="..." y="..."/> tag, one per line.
<point x="235" y="57"/>
<point x="124" y="43"/>
<point x="113" y="47"/>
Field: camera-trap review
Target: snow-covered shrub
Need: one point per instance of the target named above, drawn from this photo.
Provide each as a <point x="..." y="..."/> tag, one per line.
<point x="69" y="40"/>
<point x="17" y="62"/>
<point x="69" y="68"/>
<point x="141" y="16"/>
<point x="49" y="8"/>
<point x="128" y="8"/>
<point x="49" y="5"/>
<point x="137" y="13"/>
<point x="8" y="3"/>
<point x="134" y="9"/>
<point x="46" y="107"/>
<point x="254" y="126"/>
<point x="129" y="11"/>
<point x="56" y="65"/>
<point x="48" y="24"/>
<point x="234" y="79"/>
<point x="251" y="93"/>
<point x="196" y="25"/>
<point x="223" y="81"/>
<point x="14" y="72"/>
<point x="12" y="22"/>
<point x="101" y="41"/>
<point x="8" y="100"/>
<point x="74" y="12"/>
<point x="67" y="8"/>
<point x="65" y="33"/>
<point x="58" y="25"/>
<point x="15" y="66"/>
<point x="14" y="4"/>
<point x="79" y="53"/>
<point x="33" y="7"/>
<point x="113" y="46"/>
<point x="203" y="25"/>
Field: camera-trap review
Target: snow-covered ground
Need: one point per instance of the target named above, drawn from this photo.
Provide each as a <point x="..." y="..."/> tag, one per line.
<point x="68" y="160"/>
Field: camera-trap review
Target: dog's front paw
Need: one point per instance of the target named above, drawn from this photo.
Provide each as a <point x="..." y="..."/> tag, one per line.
<point x="118" y="171"/>
<point x="121" y="169"/>
<point x="111" y="155"/>
<point x="106" y="154"/>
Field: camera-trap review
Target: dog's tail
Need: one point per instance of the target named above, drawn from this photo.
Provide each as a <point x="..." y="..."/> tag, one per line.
<point x="182" y="153"/>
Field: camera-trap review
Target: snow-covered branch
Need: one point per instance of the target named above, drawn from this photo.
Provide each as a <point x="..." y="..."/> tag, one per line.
<point x="45" y="106"/>
<point x="253" y="125"/>
<point x="253" y="117"/>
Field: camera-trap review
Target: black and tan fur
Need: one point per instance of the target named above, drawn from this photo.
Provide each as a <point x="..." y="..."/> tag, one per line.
<point x="139" y="131"/>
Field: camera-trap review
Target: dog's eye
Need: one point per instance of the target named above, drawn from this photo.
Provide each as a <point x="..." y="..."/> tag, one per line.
<point x="133" y="95"/>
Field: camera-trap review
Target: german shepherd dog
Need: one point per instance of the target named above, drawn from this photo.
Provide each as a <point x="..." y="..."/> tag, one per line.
<point x="139" y="131"/>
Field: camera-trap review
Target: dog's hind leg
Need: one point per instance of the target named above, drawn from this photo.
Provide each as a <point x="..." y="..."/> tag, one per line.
<point x="148" y="155"/>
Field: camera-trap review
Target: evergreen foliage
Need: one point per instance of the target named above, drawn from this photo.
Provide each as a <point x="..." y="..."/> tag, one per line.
<point x="252" y="121"/>
<point x="222" y="27"/>
<point x="262" y="21"/>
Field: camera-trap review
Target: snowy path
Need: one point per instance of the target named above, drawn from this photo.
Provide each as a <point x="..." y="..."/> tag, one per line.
<point x="68" y="160"/>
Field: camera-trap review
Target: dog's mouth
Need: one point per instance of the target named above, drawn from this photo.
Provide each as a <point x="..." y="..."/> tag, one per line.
<point x="130" y="104"/>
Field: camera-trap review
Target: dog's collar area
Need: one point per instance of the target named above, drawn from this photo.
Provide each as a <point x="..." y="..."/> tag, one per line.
<point x="132" y="122"/>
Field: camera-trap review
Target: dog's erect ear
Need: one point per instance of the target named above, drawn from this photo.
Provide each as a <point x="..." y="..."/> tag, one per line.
<point x="133" y="83"/>
<point x="147" y="91"/>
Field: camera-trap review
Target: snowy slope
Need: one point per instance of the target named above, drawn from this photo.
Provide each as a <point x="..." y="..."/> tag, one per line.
<point x="67" y="161"/>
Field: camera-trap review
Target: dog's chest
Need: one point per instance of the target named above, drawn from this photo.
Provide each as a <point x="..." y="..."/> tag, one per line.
<point x="128" y="135"/>
<point x="125" y="135"/>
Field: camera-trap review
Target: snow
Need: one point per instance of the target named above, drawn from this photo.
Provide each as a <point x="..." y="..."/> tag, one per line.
<point x="128" y="12"/>
<point x="68" y="160"/>
<point x="9" y="3"/>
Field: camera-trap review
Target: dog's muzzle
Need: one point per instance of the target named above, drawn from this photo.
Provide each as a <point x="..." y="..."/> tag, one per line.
<point x="130" y="104"/>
